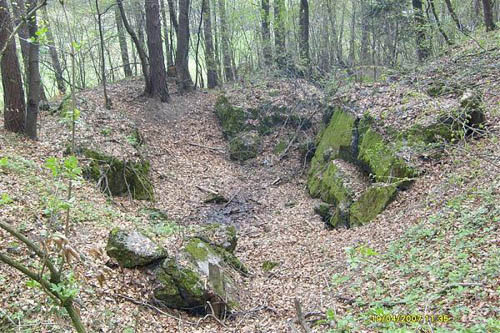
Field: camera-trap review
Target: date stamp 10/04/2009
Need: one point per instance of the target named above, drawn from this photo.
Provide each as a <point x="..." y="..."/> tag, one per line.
<point x="410" y="318"/>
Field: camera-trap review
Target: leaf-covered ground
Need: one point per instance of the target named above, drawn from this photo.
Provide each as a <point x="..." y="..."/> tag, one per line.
<point x="434" y="253"/>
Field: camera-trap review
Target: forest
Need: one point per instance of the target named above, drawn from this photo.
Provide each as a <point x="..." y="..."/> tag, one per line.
<point x="250" y="166"/>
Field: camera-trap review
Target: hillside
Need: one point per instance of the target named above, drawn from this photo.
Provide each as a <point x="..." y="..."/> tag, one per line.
<point x="434" y="251"/>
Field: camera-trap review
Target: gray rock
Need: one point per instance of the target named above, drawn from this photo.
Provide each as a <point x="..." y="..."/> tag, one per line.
<point x="132" y="249"/>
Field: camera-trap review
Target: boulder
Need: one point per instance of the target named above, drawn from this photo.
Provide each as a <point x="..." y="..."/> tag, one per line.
<point x="244" y="146"/>
<point x="232" y="119"/>
<point x="371" y="203"/>
<point x="219" y="235"/>
<point x="133" y="249"/>
<point x="119" y="177"/>
<point x="198" y="276"/>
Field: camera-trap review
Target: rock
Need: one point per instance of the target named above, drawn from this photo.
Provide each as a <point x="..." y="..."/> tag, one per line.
<point x="219" y="235"/>
<point x="133" y="249"/>
<point x="372" y="202"/>
<point x="232" y="119"/>
<point x="118" y="177"/>
<point x="244" y="146"/>
<point x="199" y="275"/>
<point x="324" y="210"/>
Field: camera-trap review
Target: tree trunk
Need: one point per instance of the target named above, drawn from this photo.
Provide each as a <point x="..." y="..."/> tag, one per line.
<point x="266" y="34"/>
<point x="139" y="47"/>
<point x="365" y="43"/>
<point x="19" y="10"/>
<point x="168" y="51"/>
<point x="107" y="100"/>
<point x="139" y="22"/>
<point x="488" y="16"/>
<point x="158" y="76"/>
<point x="453" y="15"/>
<point x="423" y="50"/>
<point x="61" y="86"/>
<point x="184" y="81"/>
<point x="212" y="79"/>
<point x="226" y="52"/>
<point x="438" y="22"/>
<point x="304" y="32"/>
<point x="279" y="33"/>
<point x="352" y="53"/>
<point x="34" y="81"/>
<point x="173" y="15"/>
<point x="123" y="43"/>
<point x="13" y="91"/>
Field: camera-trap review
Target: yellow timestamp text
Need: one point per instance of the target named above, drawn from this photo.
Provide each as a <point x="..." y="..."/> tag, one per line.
<point x="410" y="318"/>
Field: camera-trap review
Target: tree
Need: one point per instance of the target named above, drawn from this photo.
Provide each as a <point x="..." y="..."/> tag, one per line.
<point x="438" y="22"/>
<point x="454" y="15"/>
<point x="279" y="33"/>
<point x="107" y="100"/>
<point x="168" y="51"/>
<point x="266" y="33"/>
<point x="123" y="43"/>
<point x="184" y="81"/>
<point x="488" y="16"/>
<point x="158" y="76"/>
<point x="34" y="80"/>
<point x="139" y="47"/>
<point x="423" y="50"/>
<point x="61" y="86"/>
<point x="212" y="76"/>
<point x="13" y="91"/>
<point x="304" y="32"/>
<point x="224" y="30"/>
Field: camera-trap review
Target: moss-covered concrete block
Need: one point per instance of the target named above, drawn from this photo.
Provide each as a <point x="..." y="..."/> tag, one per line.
<point x="244" y="146"/>
<point x="200" y="275"/>
<point x="119" y="177"/>
<point x="133" y="249"/>
<point x="371" y="203"/>
<point x="232" y="119"/>
<point x="381" y="161"/>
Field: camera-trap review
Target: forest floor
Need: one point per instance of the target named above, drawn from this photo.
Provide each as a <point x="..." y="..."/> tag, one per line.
<point x="433" y="251"/>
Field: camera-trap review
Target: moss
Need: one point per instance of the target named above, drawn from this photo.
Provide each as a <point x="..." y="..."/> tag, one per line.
<point x="117" y="177"/>
<point x="268" y="265"/>
<point x="280" y="147"/>
<point x="372" y="202"/>
<point x="197" y="249"/>
<point x="340" y="217"/>
<point x="378" y="159"/>
<point x="245" y="146"/>
<point x="324" y="210"/>
<point x="232" y="119"/>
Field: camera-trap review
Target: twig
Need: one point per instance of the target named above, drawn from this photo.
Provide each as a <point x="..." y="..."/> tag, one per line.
<point x="204" y="189"/>
<point x="300" y="316"/>
<point x="150" y="306"/>
<point x="221" y="150"/>
<point x="232" y="198"/>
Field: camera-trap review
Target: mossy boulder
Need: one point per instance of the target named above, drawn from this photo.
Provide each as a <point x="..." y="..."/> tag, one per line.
<point x="372" y="202"/>
<point x="219" y="235"/>
<point x="133" y="249"/>
<point x="198" y="276"/>
<point x="380" y="160"/>
<point x="232" y="119"/>
<point x="244" y="146"/>
<point x="329" y="185"/>
<point x="119" y="177"/>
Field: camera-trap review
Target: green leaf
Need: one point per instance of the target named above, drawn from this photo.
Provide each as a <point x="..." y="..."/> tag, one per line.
<point x="53" y="165"/>
<point x="5" y="199"/>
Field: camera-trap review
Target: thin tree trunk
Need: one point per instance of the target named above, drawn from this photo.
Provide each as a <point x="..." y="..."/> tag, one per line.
<point x="454" y="15"/>
<point x="13" y="91"/>
<point x="304" y="33"/>
<point x="158" y="76"/>
<point x="266" y="34"/>
<point x="61" y="85"/>
<point x="107" y="100"/>
<point x="365" y="43"/>
<point x="123" y="43"/>
<point x="212" y="79"/>
<point x="34" y="81"/>
<point x="226" y="52"/>
<point x="279" y="33"/>
<point x="438" y="22"/>
<point x="488" y="16"/>
<point x="173" y="15"/>
<point x="139" y="48"/>
<point x="352" y="53"/>
<point x="170" y="61"/>
<point x="423" y="50"/>
<point x="184" y="81"/>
